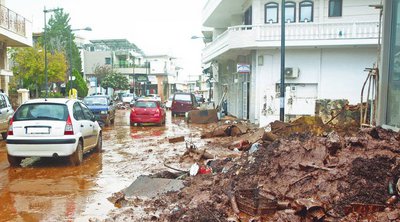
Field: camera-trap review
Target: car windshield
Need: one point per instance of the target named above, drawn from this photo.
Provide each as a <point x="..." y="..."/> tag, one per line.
<point x="183" y="97"/>
<point x="90" y="101"/>
<point x="41" y="111"/>
<point x="127" y="95"/>
<point x="145" y="104"/>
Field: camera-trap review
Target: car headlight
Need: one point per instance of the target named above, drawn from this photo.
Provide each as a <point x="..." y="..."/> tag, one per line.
<point x="103" y="112"/>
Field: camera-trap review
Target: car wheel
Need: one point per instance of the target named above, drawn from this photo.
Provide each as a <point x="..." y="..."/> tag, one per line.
<point x="99" y="145"/>
<point x="77" y="157"/>
<point x="15" y="161"/>
<point x="4" y="135"/>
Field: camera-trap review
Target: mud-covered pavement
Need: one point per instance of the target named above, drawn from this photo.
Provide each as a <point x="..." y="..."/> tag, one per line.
<point x="51" y="190"/>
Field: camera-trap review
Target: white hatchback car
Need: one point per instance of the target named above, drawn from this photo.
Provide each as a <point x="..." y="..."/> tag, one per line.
<point x="52" y="128"/>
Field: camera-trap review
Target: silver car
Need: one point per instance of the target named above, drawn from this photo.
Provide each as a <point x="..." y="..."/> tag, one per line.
<point x="6" y="112"/>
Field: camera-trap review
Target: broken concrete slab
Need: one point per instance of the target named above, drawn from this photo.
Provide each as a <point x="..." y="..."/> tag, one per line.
<point x="145" y="186"/>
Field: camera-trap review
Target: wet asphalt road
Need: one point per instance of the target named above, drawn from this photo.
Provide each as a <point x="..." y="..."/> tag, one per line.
<point x="51" y="190"/>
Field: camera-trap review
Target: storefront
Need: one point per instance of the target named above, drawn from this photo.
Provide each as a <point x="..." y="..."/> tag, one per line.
<point x="389" y="100"/>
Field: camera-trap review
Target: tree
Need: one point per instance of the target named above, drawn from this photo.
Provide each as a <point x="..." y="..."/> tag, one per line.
<point x="29" y="68"/>
<point x="116" y="81"/>
<point x="79" y="84"/>
<point x="59" y="37"/>
<point x="101" y="72"/>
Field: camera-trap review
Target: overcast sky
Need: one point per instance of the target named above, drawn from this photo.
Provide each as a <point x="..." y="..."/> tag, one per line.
<point x="155" y="26"/>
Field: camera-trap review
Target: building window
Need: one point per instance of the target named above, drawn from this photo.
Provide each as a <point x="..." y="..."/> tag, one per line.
<point x="335" y="8"/>
<point x="306" y="11"/>
<point x="290" y="12"/>
<point x="248" y="14"/>
<point x="271" y="12"/>
<point x="108" y="61"/>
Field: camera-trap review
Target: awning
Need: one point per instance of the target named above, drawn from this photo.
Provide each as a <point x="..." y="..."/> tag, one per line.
<point x="153" y="79"/>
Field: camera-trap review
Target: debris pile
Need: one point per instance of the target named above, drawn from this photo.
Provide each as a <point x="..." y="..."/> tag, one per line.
<point x="301" y="176"/>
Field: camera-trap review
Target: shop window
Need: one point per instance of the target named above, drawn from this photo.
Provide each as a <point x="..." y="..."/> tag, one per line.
<point x="271" y="12"/>
<point x="335" y="8"/>
<point x="306" y="11"/>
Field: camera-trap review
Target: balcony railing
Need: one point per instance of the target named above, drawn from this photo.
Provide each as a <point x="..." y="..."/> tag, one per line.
<point x="270" y="34"/>
<point x="122" y="66"/>
<point x="12" y="21"/>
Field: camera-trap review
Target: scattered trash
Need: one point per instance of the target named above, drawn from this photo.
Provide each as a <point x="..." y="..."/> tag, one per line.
<point x="176" y="139"/>
<point x="205" y="169"/>
<point x="194" y="169"/>
<point x="254" y="148"/>
<point x="202" y="116"/>
<point x="392" y="200"/>
<point x="240" y="145"/>
<point x="250" y="201"/>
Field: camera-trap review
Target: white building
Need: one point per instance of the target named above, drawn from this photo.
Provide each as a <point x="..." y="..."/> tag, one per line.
<point x="329" y="43"/>
<point x="15" y="31"/>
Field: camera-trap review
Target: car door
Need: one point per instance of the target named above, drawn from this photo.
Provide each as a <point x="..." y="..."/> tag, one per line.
<point x="5" y="112"/>
<point x="91" y="126"/>
<point x="83" y="124"/>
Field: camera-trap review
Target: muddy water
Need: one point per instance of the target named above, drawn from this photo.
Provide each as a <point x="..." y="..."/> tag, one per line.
<point x="51" y="190"/>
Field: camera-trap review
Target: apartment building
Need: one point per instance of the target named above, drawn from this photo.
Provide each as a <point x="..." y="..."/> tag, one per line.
<point x="329" y="43"/>
<point x="389" y="93"/>
<point x="163" y="75"/>
<point x="119" y="54"/>
<point x="15" y="31"/>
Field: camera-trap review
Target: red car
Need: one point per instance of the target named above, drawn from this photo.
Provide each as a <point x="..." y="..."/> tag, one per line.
<point x="147" y="111"/>
<point x="182" y="103"/>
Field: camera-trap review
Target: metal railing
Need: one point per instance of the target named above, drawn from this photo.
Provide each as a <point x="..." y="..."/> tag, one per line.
<point x="12" y="21"/>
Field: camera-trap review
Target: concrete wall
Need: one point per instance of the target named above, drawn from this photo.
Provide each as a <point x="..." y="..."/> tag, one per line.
<point x="94" y="59"/>
<point x="324" y="74"/>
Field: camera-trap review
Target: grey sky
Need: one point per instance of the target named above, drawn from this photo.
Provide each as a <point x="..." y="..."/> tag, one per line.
<point x="155" y="26"/>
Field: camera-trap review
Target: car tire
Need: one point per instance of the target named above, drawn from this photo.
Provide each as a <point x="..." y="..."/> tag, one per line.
<point x="14" y="161"/>
<point x="99" y="145"/>
<point x="4" y="135"/>
<point x="77" y="157"/>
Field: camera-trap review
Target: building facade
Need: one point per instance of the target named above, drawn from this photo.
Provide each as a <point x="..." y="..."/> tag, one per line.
<point x="15" y="31"/>
<point x="329" y="43"/>
<point x="118" y="54"/>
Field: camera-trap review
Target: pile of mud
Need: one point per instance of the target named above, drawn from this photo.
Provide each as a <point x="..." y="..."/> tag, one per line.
<point x="310" y="178"/>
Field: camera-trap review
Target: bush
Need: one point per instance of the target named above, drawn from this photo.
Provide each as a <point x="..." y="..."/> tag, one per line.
<point x="79" y="84"/>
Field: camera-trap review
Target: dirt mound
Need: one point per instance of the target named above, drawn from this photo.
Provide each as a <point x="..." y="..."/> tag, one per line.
<point x="301" y="169"/>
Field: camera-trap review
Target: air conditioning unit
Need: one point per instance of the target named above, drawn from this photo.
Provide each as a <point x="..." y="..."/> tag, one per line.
<point x="291" y="72"/>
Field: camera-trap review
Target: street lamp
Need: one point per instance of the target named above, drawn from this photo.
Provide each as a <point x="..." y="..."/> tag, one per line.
<point x="70" y="55"/>
<point x="45" y="45"/>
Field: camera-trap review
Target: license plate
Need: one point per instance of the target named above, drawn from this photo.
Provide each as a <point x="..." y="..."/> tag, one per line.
<point x="38" y="130"/>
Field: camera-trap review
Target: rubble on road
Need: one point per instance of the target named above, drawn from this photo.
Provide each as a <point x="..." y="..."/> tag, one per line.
<point x="305" y="170"/>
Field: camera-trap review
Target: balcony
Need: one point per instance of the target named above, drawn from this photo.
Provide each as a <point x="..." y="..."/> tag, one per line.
<point x="297" y="35"/>
<point x="14" y="28"/>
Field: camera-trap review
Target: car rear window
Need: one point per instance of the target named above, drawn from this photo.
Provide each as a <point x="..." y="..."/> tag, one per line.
<point x="183" y="97"/>
<point x="90" y="101"/>
<point x="41" y="111"/>
<point x="145" y="104"/>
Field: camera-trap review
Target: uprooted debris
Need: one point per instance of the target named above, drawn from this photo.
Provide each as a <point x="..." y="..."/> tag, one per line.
<point x="322" y="178"/>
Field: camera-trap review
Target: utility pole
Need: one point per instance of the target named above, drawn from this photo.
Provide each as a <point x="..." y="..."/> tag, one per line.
<point x="282" y="85"/>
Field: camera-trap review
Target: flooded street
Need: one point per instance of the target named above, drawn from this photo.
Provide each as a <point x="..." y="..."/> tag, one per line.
<point x="52" y="190"/>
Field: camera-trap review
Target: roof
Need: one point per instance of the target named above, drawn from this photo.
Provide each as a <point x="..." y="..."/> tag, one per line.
<point x="50" y="100"/>
<point x="117" y="44"/>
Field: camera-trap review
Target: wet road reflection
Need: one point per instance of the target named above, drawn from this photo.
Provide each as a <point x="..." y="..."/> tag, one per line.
<point x="49" y="189"/>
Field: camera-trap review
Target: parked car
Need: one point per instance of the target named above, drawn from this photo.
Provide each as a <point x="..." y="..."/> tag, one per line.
<point x="6" y="112"/>
<point x="52" y="128"/>
<point x="168" y="103"/>
<point x="102" y="107"/>
<point x="147" y="111"/>
<point x="128" y="97"/>
<point x="154" y="96"/>
<point x="182" y="103"/>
